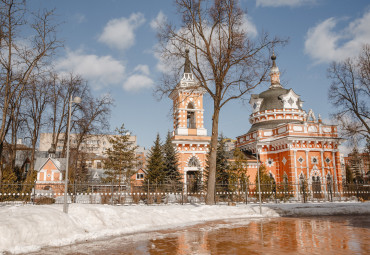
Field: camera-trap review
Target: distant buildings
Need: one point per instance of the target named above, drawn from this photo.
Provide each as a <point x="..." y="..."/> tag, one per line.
<point x="97" y="143"/>
<point x="51" y="168"/>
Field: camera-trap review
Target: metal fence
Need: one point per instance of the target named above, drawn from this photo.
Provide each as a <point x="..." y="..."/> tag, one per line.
<point x="179" y="193"/>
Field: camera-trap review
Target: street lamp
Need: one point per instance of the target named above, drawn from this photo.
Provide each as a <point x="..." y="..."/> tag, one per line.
<point x="258" y="175"/>
<point x="76" y="100"/>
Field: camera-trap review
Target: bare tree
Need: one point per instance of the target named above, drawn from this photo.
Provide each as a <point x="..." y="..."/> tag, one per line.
<point x="38" y="98"/>
<point x="20" y="56"/>
<point x="350" y="93"/>
<point x="93" y="119"/>
<point x="225" y="60"/>
<point x="61" y="91"/>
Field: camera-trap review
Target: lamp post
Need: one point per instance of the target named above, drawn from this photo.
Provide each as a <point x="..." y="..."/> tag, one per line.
<point x="258" y="176"/>
<point x="76" y="100"/>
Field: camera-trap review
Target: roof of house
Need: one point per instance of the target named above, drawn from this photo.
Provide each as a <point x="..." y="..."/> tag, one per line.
<point x="60" y="163"/>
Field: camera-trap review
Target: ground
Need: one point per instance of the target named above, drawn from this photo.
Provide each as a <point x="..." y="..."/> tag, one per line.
<point x="26" y="228"/>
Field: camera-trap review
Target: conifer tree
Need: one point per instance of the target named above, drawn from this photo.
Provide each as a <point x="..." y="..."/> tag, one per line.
<point x="9" y="178"/>
<point x="156" y="165"/>
<point x="349" y="175"/>
<point x="121" y="160"/>
<point x="238" y="168"/>
<point x="221" y="162"/>
<point x="170" y="160"/>
<point x="222" y="167"/>
<point x="266" y="182"/>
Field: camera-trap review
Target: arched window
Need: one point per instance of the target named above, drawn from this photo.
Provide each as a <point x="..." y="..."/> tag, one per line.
<point x="193" y="162"/>
<point x="329" y="182"/>
<point x="285" y="178"/>
<point x="272" y="179"/>
<point x="190" y="116"/>
<point x="316" y="186"/>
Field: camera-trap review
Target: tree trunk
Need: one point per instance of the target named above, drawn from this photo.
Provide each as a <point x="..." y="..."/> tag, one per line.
<point x="210" y="198"/>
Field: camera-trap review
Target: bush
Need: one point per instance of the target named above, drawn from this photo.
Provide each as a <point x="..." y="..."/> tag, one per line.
<point x="44" y="200"/>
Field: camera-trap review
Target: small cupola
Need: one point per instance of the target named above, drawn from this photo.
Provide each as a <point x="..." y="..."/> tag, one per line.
<point x="52" y="151"/>
<point x="188" y="75"/>
<point x="274" y="74"/>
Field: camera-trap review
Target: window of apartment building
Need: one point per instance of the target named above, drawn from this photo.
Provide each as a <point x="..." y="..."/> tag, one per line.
<point x="89" y="163"/>
<point x="139" y="176"/>
<point x="98" y="164"/>
<point x="92" y="142"/>
<point x="60" y="140"/>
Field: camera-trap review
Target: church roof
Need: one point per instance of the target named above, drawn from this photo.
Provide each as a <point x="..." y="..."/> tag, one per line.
<point x="272" y="98"/>
<point x="271" y="124"/>
<point x="60" y="163"/>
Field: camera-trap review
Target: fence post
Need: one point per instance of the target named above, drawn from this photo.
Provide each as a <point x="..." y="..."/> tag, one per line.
<point x="34" y="192"/>
<point x="246" y="192"/>
<point x="112" y="192"/>
<point x="148" y="192"/>
<point x="182" y="193"/>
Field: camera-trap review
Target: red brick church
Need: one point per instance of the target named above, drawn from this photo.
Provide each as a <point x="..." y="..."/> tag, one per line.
<point x="292" y="144"/>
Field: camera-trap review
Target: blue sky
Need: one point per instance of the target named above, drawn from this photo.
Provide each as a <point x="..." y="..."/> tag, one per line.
<point x="111" y="44"/>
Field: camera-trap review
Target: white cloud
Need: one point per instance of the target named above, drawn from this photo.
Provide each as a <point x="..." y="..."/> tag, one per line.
<point x="158" y="21"/>
<point x="80" y="18"/>
<point x="139" y="80"/>
<point x="279" y="3"/>
<point x="119" y="33"/>
<point x="143" y="69"/>
<point x="324" y="44"/>
<point x="99" y="71"/>
<point x="249" y="27"/>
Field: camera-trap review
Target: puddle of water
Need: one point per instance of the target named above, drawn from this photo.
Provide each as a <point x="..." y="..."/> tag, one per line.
<point x="319" y="235"/>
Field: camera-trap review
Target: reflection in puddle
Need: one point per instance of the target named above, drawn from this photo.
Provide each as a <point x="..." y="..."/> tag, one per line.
<point x="322" y="235"/>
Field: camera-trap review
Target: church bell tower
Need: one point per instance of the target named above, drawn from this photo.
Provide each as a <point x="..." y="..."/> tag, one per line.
<point x="189" y="135"/>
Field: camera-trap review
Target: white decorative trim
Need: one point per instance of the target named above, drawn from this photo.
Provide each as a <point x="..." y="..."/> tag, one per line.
<point x="267" y="133"/>
<point x="314" y="160"/>
<point x="270" y="162"/>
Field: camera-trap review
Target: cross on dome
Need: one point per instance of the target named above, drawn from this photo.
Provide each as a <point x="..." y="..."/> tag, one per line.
<point x="187" y="62"/>
<point x="274" y="73"/>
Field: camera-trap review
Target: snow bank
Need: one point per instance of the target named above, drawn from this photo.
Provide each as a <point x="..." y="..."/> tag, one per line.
<point x="321" y="209"/>
<point x="28" y="228"/>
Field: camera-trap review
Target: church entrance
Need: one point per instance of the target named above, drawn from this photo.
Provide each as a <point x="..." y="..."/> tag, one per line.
<point x="193" y="181"/>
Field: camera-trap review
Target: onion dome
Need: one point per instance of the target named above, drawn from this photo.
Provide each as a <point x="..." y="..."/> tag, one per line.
<point x="276" y="105"/>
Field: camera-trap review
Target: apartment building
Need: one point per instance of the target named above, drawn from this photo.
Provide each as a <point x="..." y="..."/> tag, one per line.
<point x="96" y="144"/>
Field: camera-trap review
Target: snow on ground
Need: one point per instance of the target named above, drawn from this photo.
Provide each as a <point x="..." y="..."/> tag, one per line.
<point x="321" y="209"/>
<point x="26" y="228"/>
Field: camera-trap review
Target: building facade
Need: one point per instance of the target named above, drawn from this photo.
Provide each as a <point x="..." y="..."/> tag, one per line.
<point x="189" y="136"/>
<point x="292" y="144"/>
<point x="96" y="143"/>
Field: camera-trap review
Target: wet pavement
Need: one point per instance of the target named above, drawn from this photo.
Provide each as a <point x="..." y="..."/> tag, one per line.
<point x="310" y="235"/>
